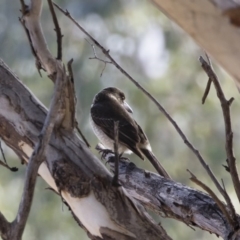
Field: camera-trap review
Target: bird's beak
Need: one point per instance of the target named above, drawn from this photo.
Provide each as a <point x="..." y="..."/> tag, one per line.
<point x="127" y="107"/>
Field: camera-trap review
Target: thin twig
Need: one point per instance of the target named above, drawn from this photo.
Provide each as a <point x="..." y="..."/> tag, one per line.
<point x="2" y="152"/>
<point x="206" y="91"/>
<point x="95" y="54"/>
<point x="214" y="196"/>
<point x="223" y="185"/>
<point x="97" y="58"/>
<point x="5" y="164"/>
<point x="57" y="29"/>
<point x="225" y="105"/>
<point x="70" y="71"/>
<point x="24" y="8"/>
<point x="105" y="52"/>
<point x="13" y="169"/>
<point x="82" y="136"/>
<point x="73" y="98"/>
<point x="116" y="172"/>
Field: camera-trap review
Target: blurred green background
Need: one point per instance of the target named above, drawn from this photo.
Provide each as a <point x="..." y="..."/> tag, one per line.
<point x="162" y="58"/>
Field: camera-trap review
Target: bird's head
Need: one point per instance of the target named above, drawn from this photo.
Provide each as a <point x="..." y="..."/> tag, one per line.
<point x="112" y="94"/>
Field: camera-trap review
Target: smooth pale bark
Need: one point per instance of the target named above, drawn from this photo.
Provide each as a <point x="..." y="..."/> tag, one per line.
<point x="213" y="24"/>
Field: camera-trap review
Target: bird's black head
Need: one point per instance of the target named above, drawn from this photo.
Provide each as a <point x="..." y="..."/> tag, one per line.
<point x="112" y="94"/>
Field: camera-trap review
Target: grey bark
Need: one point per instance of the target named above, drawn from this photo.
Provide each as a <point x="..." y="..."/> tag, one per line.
<point x="77" y="172"/>
<point x="70" y="167"/>
<point x="172" y="199"/>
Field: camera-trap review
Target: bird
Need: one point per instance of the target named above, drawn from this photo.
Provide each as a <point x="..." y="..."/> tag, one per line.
<point x="109" y="106"/>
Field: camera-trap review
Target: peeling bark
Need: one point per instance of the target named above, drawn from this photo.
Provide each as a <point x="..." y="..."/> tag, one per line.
<point x="174" y="200"/>
<point x="116" y="215"/>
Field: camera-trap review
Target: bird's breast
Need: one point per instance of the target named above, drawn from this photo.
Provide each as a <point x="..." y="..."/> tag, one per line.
<point x="105" y="140"/>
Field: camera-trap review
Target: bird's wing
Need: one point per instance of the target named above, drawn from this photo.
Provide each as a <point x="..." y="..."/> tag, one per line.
<point x="105" y="115"/>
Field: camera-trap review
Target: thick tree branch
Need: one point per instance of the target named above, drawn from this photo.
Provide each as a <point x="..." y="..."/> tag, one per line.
<point x="174" y="200"/>
<point x="71" y="169"/>
<point x="4" y="227"/>
<point x="38" y="156"/>
<point x="31" y="20"/>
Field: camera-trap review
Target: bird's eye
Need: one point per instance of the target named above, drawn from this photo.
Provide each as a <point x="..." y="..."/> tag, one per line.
<point x="122" y="97"/>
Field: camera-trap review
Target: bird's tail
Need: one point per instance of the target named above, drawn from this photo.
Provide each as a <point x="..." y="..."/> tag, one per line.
<point x="156" y="164"/>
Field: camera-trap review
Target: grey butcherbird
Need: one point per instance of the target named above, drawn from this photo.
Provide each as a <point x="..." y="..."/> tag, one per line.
<point x="109" y="106"/>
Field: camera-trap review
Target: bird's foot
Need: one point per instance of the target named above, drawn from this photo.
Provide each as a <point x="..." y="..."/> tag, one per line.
<point x="104" y="152"/>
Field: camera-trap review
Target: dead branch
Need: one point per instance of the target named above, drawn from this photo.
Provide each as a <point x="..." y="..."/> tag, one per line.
<point x="4" y="227"/>
<point x="5" y="164"/>
<point x="206" y="91"/>
<point x="116" y="172"/>
<point x="57" y="29"/>
<point x="13" y="169"/>
<point x="171" y="199"/>
<point x="73" y="100"/>
<point x="225" y="104"/>
<point x="215" y="198"/>
<point x="38" y="156"/>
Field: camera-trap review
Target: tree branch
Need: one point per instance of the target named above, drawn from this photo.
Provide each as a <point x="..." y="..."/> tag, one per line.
<point x="4" y="227"/>
<point x="38" y="156"/>
<point x="225" y="104"/>
<point x="206" y="91"/>
<point x="31" y="20"/>
<point x="173" y="200"/>
<point x="57" y="29"/>
<point x="116" y="172"/>
<point x="215" y="198"/>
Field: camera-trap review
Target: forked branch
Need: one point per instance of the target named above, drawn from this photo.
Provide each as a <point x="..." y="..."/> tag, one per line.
<point x="225" y="105"/>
